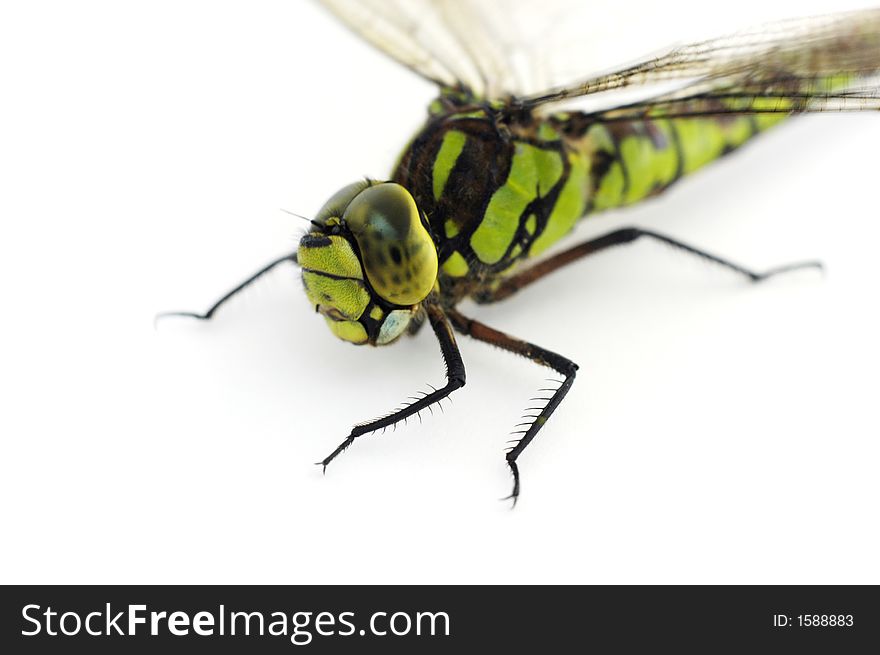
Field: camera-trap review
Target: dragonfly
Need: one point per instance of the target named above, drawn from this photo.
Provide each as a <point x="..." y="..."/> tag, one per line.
<point x="498" y="174"/>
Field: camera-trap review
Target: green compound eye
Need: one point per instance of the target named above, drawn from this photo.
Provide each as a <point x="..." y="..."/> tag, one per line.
<point x="399" y="258"/>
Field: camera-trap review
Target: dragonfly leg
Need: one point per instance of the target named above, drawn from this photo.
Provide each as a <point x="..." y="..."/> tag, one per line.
<point x="619" y="237"/>
<point x="455" y="379"/>
<point x="253" y="278"/>
<point x="563" y="365"/>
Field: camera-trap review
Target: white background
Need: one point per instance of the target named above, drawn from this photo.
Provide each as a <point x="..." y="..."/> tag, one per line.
<point x="717" y="432"/>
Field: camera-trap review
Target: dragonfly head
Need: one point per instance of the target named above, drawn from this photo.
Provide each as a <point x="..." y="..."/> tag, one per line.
<point x="368" y="262"/>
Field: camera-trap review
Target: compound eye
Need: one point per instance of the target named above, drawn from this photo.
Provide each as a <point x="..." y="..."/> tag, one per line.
<point x="337" y="203"/>
<point x="397" y="253"/>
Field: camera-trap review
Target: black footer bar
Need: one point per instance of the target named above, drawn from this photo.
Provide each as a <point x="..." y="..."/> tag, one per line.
<point x="428" y="619"/>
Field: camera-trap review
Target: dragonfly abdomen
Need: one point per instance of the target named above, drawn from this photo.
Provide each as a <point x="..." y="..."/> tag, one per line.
<point x="635" y="160"/>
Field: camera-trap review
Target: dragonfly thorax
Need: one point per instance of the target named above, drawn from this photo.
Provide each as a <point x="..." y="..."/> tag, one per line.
<point x="369" y="262"/>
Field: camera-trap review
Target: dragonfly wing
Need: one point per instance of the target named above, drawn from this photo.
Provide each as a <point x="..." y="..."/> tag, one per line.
<point x="816" y="64"/>
<point x="495" y="49"/>
<point x="506" y="48"/>
<point x="782" y="95"/>
<point x="435" y="39"/>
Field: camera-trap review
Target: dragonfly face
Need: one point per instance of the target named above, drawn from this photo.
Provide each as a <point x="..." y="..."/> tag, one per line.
<point x="369" y="262"/>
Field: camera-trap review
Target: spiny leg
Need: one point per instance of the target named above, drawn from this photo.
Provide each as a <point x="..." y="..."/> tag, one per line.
<point x="619" y="237"/>
<point x="539" y="355"/>
<point x="455" y="379"/>
<point x="253" y="278"/>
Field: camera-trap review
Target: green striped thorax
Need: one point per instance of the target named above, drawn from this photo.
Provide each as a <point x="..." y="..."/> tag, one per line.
<point x="369" y="262"/>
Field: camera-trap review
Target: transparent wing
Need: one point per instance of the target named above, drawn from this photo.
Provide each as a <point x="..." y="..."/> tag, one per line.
<point x="509" y="48"/>
<point x="827" y="63"/>
<point x="448" y="42"/>
<point x="496" y="49"/>
<point x="783" y="95"/>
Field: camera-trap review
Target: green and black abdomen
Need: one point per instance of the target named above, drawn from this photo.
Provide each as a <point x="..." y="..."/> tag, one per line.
<point x="635" y="160"/>
<point x="497" y="190"/>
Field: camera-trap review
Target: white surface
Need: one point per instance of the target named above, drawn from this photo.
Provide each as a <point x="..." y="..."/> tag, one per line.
<point x="717" y="432"/>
